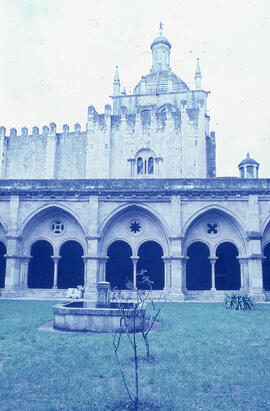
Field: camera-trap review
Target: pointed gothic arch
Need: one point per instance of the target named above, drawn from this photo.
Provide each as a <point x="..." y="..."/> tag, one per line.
<point x="120" y="211"/>
<point x="224" y="212"/>
<point x="37" y="215"/>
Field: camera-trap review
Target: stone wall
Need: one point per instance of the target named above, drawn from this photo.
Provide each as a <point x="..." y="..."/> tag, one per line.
<point x="175" y="128"/>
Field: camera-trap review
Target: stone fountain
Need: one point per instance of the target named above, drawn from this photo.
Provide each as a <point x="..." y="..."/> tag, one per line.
<point x="102" y="317"/>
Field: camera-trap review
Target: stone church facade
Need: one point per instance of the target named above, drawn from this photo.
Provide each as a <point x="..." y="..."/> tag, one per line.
<point x="136" y="190"/>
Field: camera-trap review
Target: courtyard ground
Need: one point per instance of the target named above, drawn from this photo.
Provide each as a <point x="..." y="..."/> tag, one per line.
<point x="206" y="358"/>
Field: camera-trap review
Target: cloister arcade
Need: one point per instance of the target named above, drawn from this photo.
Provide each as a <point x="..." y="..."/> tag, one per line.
<point x="214" y="255"/>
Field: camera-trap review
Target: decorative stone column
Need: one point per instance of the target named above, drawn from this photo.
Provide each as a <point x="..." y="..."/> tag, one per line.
<point x="134" y="261"/>
<point x="55" y="270"/>
<point x="167" y="273"/>
<point x="91" y="258"/>
<point x="24" y="271"/>
<point x="254" y="239"/>
<point x="13" y="259"/>
<point x="213" y="273"/>
<point x="92" y="265"/>
<point x="243" y="261"/>
<point x="132" y="163"/>
<point x="13" y="262"/>
<point x="176" y="277"/>
<point x="255" y="276"/>
<point x="184" y="273"/>
<point x="102" y="268"/>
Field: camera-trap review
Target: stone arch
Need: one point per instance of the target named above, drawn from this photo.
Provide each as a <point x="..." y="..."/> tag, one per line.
<point x="41" y="266"/>
<point x="150" y="255"/>
<point x="119" y="267"/>
<point x="3" y="251"/>
<point x="266" y="267"/>
<point x="30" y="232"/>
<point x="265" y="223"/>
<point x="196" y="240"/>
<point x="123" y="210"/>
<point x="33" y="241"/>
<point x="198" y="269"/>
<point x="223" y="211"/>
<point x="266" y="231"/>
<point x="119" y="239"/>
<point x="228" y="227"/>
<point x="71" y="265"/>
<point x="74" y="239"/>
<point x="47" y="209"/>
<point x="227" y="267"/>
<point x="3" y="224"/>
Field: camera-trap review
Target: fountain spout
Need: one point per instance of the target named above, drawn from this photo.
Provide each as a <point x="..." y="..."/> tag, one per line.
<point x="103" y="294"/>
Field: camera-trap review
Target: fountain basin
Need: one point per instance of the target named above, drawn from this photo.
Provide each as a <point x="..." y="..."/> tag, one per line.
<point x="88" y="316"/>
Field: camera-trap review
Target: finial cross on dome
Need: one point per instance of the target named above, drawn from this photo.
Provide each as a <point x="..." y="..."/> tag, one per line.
<point x="161" y="25"/>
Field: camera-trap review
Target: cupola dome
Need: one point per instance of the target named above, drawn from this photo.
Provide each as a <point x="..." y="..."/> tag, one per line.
<point x="248" y="167"/>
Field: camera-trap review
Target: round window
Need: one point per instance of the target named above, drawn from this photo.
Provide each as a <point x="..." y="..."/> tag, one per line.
<point x="57" y="227"/>
<point x="135" y="227"/>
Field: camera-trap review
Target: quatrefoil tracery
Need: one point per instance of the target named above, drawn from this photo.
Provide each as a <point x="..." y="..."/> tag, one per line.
<point x="212" y="228"/>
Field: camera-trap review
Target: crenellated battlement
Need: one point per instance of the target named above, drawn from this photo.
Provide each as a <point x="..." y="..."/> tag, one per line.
<point x="163" y="117"/>
<point x="45" y="131"/>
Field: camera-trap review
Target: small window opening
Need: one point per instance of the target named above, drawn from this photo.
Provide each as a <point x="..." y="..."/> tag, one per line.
<point x="139" y="166"/>
<point x="150" y="165"/>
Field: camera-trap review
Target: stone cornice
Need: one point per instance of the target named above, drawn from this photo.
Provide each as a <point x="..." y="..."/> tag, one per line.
<point x="86" y="187"/>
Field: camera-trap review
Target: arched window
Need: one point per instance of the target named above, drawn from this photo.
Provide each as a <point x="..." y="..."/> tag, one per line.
<point x="139" y="165"/>
<point x="147" y="163"/>
<point x="150" y="165"/>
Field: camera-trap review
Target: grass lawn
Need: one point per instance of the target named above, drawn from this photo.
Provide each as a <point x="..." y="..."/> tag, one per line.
<point x="206" y="359"/>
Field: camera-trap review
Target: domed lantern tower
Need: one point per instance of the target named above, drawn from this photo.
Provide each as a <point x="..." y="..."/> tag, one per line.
<point x="249" y="168"/>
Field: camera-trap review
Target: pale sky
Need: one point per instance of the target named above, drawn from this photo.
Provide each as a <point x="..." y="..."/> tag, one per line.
<point x="59" y="56"/>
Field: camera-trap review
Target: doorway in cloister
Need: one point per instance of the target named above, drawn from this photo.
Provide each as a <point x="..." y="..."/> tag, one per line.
<point x="150" y="259"/>
<point x="266" y="268"/>
<point x="227" y="267"/>
<point x="40" y="269"/>
<point x="198" y="270"/>
<point x="119" y="267"/>
<point x="71" y="265"/>
<point x="3" y="252"/>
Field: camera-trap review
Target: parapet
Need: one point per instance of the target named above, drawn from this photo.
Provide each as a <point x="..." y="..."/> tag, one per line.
<point x="24" y="131"/>
<point x="13" y="132"/>
<point x="35" y="131"/>
<point x="2" y="131"/>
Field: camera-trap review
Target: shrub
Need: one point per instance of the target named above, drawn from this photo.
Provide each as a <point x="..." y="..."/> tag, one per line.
<point x="239" y="301"/>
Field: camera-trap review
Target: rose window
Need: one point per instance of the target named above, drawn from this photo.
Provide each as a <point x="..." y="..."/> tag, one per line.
<point x="135" y="227"/>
